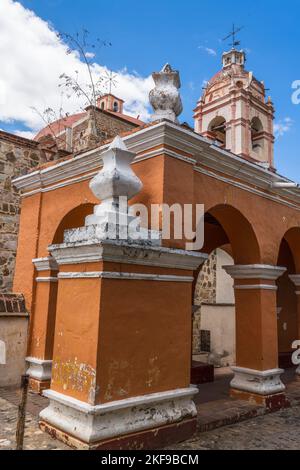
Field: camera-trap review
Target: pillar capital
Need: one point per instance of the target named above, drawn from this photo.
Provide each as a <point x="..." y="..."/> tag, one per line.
<point x="255" y="271"/>
<point x="295" y="278"/>
<point x="45" y="264"/>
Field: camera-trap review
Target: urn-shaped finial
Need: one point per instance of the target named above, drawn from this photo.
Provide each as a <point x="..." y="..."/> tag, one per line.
<point x="116" y="177"/>
<point x="165" y="97"/>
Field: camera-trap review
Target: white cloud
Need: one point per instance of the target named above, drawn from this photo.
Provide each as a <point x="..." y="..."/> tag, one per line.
<point x="282" y="126"/>
<point x="208" y="50"/>
<point x="89" y="55"/>
<point x="33" y="58"/>
<point x="26" y="134"/>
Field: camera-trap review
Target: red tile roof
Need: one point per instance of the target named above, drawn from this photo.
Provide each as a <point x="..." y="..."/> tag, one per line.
<point x="61" y="124"/>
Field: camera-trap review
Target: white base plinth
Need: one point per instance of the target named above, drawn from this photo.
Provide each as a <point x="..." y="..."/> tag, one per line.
<point x="264" y="383"/>
<point x="95" y="423"/>
<point x="39" y="369"/>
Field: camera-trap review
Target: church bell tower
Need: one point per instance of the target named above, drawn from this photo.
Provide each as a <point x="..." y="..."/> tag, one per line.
<point x="235" y="113"/>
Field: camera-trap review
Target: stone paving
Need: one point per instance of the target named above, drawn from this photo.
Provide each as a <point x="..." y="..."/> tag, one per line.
<point x="276" y="431"/>
<point x="215" y="410"/>
<point x="34" y="439"/>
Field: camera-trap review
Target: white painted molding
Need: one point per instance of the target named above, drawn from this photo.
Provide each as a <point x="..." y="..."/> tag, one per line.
<point x="39" y="369"/>
<point x="295" y="278"/>
<point x="127" y="276"/>
<point x="94" y="423"/>
<point x="256" y="287"/>
<point x="159" y="135"/>
<point x="45" y="264"/>
<point x="265" y="382"/>
<point x="255" y="271"/>
<point x="122" y="252"/>
<point x="46" y="279"/>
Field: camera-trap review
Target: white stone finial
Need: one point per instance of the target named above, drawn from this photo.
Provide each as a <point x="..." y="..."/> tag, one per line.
<point x="165" y="97"/>
<point x="118" y="143"/>
<point x="115" y="180"/>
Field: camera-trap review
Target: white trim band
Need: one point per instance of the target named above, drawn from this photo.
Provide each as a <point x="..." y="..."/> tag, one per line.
<point x="255" y="287"/>
<point x="95" y="423"/>
<point x="39" y="369"/>
<point x="46" y="279"/>
<point x="127" y="276"/>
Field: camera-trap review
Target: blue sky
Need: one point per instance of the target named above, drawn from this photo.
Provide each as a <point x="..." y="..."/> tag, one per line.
<point x="146" y="34"/>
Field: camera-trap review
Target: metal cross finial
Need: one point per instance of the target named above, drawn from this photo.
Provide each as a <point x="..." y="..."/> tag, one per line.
<point x="232" y="35"/>
<point x="110" y="80"/>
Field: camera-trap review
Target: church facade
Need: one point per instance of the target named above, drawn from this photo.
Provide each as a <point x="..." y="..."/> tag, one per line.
<point x="111" y="330"/>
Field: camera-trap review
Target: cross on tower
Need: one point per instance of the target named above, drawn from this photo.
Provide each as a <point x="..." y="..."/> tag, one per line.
<point x="110" y="80"/>
<point x="232" y="35"/>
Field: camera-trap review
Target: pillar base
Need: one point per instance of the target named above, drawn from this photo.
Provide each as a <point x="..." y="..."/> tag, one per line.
<point x="152" y="439"/>
<point x="39" y="371"/>
<point x="271" y="402"/>
<point x="38" y="386"/>
<point x="266" y="382"/>
<point x="124" y="422"/>
<point x="259" y="387"/>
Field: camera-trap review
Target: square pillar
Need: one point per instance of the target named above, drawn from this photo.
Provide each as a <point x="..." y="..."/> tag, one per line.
<point x="256" y="375"/>
<point x="42" y="325"/>
<point x="122" y="349"/>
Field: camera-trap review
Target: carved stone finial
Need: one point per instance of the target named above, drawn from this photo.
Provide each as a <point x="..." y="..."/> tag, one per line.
<point x="165" y="97"/>
<point x="116" y="179"/>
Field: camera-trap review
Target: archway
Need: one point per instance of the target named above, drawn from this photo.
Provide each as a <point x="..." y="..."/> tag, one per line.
<point x="73" y="219"/>
<point x="228" y="239"/>
<point x="217" y="129"/>
<point x="288" y="312"/>
<point x="257" y="135"/>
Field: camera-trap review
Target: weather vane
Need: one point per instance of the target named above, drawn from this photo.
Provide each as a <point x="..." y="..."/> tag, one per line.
<point x="110" y="80"/>
<point x="232" y="35"/>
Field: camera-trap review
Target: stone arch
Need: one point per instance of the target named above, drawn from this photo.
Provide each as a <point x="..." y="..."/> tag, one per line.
<point x="217" y="129"/>
<point x="73" y="219"/>
<point x="226" y="231"/>
<point x="225" y="224"/>
<point x="292" y="238"/>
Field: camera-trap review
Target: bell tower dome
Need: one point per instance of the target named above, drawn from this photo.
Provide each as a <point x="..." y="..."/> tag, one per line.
<point x="234" y="111"/>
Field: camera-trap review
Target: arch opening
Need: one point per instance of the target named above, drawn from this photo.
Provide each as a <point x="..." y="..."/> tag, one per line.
<point x="73" y="219"/>
<point x="217" y="130"/>
<point x="257" y="135"/>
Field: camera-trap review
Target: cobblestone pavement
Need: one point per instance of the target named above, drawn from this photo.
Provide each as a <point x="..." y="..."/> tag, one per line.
<point x="34" y="439"/>
<point x="276" y="431"/>
<point x="273" y="431"/>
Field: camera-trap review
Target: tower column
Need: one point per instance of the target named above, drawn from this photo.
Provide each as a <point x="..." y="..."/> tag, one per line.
<point x="256" y="375"/>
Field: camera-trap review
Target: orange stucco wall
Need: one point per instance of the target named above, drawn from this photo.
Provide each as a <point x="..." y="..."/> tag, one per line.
<point x="254" y="226"/>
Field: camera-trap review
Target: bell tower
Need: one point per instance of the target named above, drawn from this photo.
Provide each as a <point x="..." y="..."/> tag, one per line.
<point x="234" y="111"/>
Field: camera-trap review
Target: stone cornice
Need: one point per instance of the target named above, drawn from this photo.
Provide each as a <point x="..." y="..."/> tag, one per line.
<point x="18" y="140"/>
<point x="255" y="271"/>
<point x="122" y="252"/>
<point x="163" y="134"/>
<point x="295" y="278"/>
<point x="45" y="264"/>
